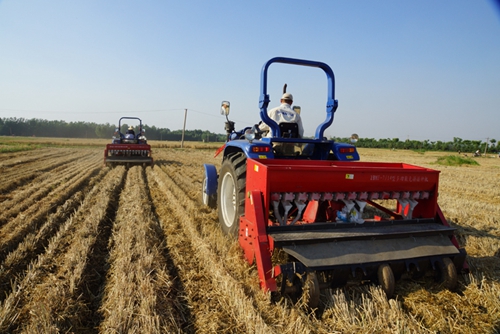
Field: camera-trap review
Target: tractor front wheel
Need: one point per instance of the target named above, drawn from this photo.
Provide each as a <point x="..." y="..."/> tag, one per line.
<point x="208" y="200"/>
<point x="231" y="192"/>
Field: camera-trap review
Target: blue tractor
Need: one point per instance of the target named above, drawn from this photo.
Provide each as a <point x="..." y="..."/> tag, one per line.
<point x="226" y="189"/>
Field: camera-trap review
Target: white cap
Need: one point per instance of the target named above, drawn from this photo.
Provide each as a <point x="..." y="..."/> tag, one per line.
<point x="131" y="127"/>
<point x="287" y="96"/>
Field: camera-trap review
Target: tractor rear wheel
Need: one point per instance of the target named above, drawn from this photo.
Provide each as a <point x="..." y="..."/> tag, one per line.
<point x="231" y="192"/>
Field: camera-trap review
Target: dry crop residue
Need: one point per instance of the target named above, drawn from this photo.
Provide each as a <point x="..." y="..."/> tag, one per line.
<point x="89" y="249"/>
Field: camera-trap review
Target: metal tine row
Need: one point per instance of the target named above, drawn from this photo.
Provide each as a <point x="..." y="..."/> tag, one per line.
<point x="128" y="152"/>
<point x="338" y="196"/>
<point x="405" y="198"/>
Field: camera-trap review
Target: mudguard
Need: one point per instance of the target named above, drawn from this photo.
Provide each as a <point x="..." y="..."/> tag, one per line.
<point x="211" y="176"/>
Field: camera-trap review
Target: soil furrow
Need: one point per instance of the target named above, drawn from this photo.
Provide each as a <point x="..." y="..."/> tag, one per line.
<point x="38" y="190"/>
<point x="137" y="274"/>
<point x="47" y="298"/>
<point x="15" y="177"/>
<point x="14" y="231"/>
<point x="35" y="243"/>
<point x="14" y="159"/>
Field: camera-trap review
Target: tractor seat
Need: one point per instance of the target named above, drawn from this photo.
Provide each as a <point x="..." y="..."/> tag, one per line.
<point x="289" y="130"/>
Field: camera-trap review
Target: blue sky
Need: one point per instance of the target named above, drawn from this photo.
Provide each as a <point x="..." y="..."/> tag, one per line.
<point x="403" y="69"/>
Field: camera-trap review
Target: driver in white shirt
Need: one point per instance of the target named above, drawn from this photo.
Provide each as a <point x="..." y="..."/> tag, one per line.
<point x="283" y="114"/>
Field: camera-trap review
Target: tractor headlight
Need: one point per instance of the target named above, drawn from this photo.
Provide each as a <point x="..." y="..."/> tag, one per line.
<point x="250" y="135"/>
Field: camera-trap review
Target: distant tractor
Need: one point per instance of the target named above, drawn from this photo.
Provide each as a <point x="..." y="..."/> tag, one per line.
<point x="130" y="148"/>
<point x="332" y="218"/>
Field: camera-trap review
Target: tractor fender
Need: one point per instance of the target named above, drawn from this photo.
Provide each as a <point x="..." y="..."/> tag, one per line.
<point x="211" y="176"/>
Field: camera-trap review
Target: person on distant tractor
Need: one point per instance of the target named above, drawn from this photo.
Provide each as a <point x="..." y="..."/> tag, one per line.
<point x="283" y="114"/>
<point x="130" y="131"/>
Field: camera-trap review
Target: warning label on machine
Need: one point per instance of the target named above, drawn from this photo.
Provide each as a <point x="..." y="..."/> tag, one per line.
<point x="399" y="178"/>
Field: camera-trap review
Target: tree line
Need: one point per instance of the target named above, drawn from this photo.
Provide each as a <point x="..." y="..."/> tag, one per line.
<point x="457" y="145"/>
<point x="60" y="129"/>
<point x="45" y="128"/>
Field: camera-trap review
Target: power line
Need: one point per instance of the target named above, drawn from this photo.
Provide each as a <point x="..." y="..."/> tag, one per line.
<point x="94" y="112"/>
<point x="122" y="112"/>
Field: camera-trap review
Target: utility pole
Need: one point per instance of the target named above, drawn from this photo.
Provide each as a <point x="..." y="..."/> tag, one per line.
<point x="184" y="128"/>
<point x="486" y="146"/>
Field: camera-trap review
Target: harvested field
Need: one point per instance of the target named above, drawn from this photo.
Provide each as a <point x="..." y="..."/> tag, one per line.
<point x="89" y="249"/>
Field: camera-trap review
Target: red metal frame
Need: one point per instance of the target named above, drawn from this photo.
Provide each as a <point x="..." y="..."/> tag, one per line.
<point x="354" y="179"/>
<point x="123" y="147"/>
<point x="254" y="241"/>
<point x="126" y="147"/>
<point x="454" y="240"/>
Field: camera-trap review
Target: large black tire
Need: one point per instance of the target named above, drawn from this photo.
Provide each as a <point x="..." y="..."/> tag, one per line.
<point x="208" y="200"/>
<point x="231" y="192"/>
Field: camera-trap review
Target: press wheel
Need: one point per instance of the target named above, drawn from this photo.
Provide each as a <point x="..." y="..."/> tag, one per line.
<point x="311" y="290"/>
<point x="448" y="274"/>
<point x="386" y="279"/>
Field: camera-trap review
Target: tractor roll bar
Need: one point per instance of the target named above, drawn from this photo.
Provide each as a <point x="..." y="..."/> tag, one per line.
<point x="126" y="117"/>
<point x="331" y="103"/>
